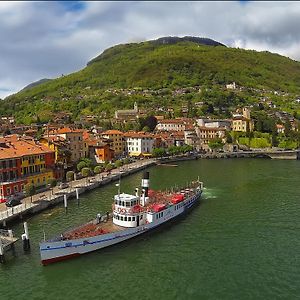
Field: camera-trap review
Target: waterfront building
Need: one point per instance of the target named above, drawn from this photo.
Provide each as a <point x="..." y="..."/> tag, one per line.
<point x="207" y="134"/>
<point x="139" y="143"/>
<point x="23" y="161"/>
<point x="117" y="141"/>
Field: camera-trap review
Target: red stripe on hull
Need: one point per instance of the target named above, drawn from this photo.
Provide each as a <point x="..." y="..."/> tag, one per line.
<point x="56" y="259"/>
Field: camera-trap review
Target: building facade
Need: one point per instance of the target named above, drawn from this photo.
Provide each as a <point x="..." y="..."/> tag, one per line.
<point x="117" y="141"/>
<point x="23" y="161"/>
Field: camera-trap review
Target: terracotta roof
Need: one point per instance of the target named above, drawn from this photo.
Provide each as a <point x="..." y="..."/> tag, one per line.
<point x="112" y="131"/>
<point x="68" y="130"/>
<point x="141" y="134"/>
<point x="14" y="146"/>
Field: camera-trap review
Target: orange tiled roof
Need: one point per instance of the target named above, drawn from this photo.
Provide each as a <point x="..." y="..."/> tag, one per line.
<point x="14" y="146"/>
<point x="68" y="130"/>
<point x="112" y="131"/>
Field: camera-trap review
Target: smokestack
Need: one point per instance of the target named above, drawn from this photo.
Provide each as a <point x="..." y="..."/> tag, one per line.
<point x="145" y="183"/>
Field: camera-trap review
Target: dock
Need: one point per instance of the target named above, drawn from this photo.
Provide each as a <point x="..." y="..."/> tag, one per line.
<point x="7" y="241"/>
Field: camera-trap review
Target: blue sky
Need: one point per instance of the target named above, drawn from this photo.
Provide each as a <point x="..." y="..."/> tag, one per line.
<point x="50" y="38"/>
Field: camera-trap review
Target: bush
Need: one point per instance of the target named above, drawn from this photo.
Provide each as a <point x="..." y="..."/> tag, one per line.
<point x="118" y="163"/>
<point x="30" y="189"/>
<point x="98" y="169"/>
<point x="81" y="165"/>
<point x="70" y="175"/>
<point x="85" y="172"/>
<point x="109" y="167"/>
<point x="52" y="182"/>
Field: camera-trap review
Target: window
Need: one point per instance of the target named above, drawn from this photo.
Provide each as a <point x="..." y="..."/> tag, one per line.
<point x="16" y="188"/>
<point x="121" y="218"/>
<point x="129" y="219"/>
<point x="133" y="219"/>
<point x="125" y="219"/>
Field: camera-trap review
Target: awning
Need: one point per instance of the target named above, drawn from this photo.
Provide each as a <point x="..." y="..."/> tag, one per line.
<point x="135" y="153"/>
<point x="147" y="154"/>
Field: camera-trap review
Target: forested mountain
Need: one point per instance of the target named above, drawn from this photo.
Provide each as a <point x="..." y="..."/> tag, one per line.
<point x="168" y="63"/>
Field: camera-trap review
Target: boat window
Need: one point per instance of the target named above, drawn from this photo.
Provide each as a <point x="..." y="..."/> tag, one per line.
<point x="127" y="204"/>
<point x="125" y="218"/>
<point x="116" y="201"/>
<point x="121" y="218"/>
<point x="122" y="203"/>
<point x="129" y="219"/>
<point x="133" y="218"/>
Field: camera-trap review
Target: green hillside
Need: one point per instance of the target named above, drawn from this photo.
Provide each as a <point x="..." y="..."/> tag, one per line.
<point x="152" y="65"/>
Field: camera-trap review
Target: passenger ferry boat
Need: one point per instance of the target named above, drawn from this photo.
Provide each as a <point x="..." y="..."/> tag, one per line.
<point x="132" y="215"/>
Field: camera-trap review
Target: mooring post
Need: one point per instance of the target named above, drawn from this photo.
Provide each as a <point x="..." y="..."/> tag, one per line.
<point x="25" y="238"/>
<point x="77" y="196"/>
<point x="1" y="252"/>
<point x="66" y="203"/>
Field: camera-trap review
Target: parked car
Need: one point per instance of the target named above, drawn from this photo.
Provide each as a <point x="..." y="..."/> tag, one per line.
<point x="63" y="185"/>
<point x="13" y="202"/>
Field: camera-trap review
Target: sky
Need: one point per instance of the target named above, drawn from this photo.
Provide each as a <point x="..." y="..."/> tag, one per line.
<point x="47" y="39"/>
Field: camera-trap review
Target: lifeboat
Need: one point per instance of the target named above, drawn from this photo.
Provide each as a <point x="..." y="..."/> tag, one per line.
<point x="159" y="207"/>
<point x="177" y="198"/>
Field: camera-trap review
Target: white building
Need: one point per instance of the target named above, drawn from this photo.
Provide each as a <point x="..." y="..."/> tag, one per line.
<point x="139" y="143"/>
<point x="170" y="125"/>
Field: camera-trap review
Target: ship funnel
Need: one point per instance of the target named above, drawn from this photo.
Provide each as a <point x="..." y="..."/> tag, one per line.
<point x="145" y="183"/>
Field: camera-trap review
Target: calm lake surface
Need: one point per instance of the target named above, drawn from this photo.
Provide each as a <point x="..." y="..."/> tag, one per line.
<point x="241" y="242"/>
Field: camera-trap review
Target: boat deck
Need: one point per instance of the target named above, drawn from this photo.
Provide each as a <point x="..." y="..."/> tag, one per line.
<point x="92" y="229"/>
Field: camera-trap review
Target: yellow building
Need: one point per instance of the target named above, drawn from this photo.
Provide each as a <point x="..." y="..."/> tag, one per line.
<point x="243" y="122"/>
<point x="60" y="147"/>
<point x="117" y="138"/>
<point x="74" y="142"/>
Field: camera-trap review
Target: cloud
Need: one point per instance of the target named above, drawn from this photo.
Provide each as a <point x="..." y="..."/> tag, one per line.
<point x="47" y="39"/>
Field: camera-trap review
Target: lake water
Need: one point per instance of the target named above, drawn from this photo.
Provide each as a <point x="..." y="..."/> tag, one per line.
<point x="241" y="242"/>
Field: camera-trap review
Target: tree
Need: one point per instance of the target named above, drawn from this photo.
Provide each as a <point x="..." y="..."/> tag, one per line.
<point x="158" y="152"/>
<point x="70" y="175"/>
<point x="215" y="144"/>
<point x="52" y="182"/>
<point x="118" y="163"/>
<point x="85" y="172"/>
<point x="30" y="190"/>
<point x="150" y="122"/>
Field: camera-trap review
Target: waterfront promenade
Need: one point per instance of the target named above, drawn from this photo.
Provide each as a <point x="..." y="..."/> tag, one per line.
<point x="42" y="201"/>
